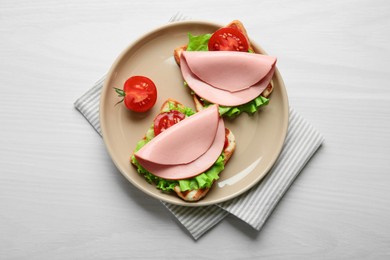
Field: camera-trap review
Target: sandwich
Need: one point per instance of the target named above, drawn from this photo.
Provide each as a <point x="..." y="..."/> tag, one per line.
<point x="222" y="68"/>
<point x="184" y="152"/>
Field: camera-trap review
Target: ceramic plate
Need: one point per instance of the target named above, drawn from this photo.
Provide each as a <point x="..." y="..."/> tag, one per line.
<point x="259" y="137"/>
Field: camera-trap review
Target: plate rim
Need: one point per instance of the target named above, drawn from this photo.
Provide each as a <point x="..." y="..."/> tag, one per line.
<point x="200" y="203"/>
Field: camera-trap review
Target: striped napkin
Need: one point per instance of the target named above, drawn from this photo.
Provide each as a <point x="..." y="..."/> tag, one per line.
<point x="257" y="204"/>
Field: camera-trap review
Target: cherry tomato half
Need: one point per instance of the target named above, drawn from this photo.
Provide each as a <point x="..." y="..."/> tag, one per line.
<point x="228" y="39"/>
<point x="167" y="119"/>
<point x="139" y="93"/>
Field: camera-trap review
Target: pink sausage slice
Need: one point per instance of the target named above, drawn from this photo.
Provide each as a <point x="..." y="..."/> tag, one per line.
<point x="225" y="77"/>
<point x="186" y="149"/>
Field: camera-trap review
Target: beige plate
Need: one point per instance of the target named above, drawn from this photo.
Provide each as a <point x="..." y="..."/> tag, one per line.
<point x="259" y="138"/>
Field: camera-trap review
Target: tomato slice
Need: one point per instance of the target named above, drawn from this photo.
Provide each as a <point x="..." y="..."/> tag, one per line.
<point x="139" y="93"/>
<point x="228" y="39"/>
<point x="167" y="119"/>
<point x="226" y="144"/>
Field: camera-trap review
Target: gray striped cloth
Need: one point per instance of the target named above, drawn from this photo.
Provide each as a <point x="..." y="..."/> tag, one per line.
<point x="257" y="204"/>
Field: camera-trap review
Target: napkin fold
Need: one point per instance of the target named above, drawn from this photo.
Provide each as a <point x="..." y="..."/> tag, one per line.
<point x="255" y="205"/>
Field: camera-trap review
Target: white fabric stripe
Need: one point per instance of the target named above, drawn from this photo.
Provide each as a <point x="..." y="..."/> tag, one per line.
<point x="95" y="119"/>
<point x="93" y="105"/>
<point x="197" y="220"/>
<point x="91" y="110"/>
<point x="209" y="217"/>
<point x="92" y="96"/>
<point x="89" y="95"/>
<point x="88" y="105"/>
<point x="186" y="215"/>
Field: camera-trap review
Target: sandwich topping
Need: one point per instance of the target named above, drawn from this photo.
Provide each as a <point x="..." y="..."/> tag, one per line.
<point x="196" y="158"/>
<point x="227" y="78"/>
<point x="232" y="38"/>
<point x="228" y="39"/>
<point x="197" y="140"/>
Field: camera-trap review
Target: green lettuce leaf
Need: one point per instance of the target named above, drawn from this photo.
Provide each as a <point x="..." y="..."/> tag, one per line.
<point x="182" y="109"/>
<point x="206" y="179"/>
<point x="198" y="43"/>
<point x="250" y="108"/>
<point x="203" y="180"/>
<point x="162" y="184"/>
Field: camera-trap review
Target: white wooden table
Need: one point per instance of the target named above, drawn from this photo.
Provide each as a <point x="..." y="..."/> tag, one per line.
<point x="61" y="197"/>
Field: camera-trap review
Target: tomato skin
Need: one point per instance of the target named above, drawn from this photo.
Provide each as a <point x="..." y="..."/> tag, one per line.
<point x="228" y="39"/>
<point x="167" y="119"/>
<point x="139" y="93"/>
<point x="226" y="144"/>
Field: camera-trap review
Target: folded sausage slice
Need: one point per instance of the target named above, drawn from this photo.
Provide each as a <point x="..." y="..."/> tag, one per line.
<point x="187" y="148"/>
<point x="225" y="77"/>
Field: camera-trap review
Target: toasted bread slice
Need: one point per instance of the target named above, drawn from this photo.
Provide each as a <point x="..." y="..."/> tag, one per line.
<point x="195" y="195"/>
<point x="236" y="24"/>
